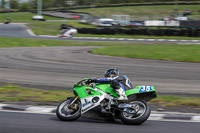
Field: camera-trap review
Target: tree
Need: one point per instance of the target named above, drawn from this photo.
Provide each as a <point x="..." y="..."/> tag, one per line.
<point x="25" y="7"/>
<point x="14" y="4"/>
<point x="59" y="3"/>
<point x="2" y="3"/>
<point x="47" y="3"/>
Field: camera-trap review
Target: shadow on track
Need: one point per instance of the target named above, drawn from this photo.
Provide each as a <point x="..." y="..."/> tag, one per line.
<point x="83" y="120"/>
<point x="101" y="122"/>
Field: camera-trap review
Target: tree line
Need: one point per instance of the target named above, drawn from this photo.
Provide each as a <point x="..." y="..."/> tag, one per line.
<point x="32" y="4"/>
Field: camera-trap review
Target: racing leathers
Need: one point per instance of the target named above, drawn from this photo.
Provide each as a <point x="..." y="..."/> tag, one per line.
<point x="119" y="83"/>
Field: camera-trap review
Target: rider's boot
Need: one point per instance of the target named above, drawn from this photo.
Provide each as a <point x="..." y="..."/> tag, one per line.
<point x="122" y="95"/>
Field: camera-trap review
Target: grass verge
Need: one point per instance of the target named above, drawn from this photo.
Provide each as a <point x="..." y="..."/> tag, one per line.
<point x="187" y="53"/>
<point x="15" y="93"/>
<point x="177" y="101"/>
<point x="23" y="17"/>
<point x="173" y="52"/>
<point x="28" y="42"/>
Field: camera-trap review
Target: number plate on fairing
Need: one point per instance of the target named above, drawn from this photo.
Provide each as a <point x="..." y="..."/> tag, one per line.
<point x="145" y="88"/>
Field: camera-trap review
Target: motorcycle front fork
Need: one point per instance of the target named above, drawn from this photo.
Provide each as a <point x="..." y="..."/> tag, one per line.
<point x="72" y="105"/>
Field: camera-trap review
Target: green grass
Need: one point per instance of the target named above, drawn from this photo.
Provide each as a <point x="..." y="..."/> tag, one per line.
<point x="28" y="42"/>
<point x="177" y="100"/>
<point x="15" y="93"/>
<point x="23" y="17"/>
<point x="141" y="12"/>
<point x="187" y="53"/>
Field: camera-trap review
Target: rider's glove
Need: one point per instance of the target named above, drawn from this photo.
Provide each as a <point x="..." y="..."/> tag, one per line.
<point x="92" y="80"/>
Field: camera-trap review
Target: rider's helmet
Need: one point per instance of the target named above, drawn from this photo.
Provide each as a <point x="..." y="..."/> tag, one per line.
<point x="113" y="72"/>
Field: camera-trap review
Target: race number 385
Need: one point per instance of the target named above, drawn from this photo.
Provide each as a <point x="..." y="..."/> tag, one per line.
<point x="145" y="88"/>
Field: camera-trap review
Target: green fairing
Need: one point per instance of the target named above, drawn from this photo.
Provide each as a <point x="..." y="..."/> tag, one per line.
<point x="82" y="93"/>
<point x="106" y="88"/>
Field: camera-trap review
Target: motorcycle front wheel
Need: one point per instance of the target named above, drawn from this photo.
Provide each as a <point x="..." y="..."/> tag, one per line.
<point x="67" y="112"/>
<point x="138" y="112"/>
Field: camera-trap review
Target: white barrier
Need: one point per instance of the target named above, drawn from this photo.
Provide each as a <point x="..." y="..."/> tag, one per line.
<point x="161" y="23"/>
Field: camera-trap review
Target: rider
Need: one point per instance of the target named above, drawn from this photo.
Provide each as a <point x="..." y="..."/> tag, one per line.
<point x="119" y="83"/>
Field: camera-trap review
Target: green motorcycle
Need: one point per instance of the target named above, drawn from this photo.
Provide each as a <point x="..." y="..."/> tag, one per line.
<point x="99" y="101"/>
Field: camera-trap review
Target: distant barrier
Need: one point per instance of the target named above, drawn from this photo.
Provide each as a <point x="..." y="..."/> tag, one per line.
<point x="161" y="28"/>
<point x="185" y="24"/>
<point x="190" y="24"/>
<point x="143" y="31"/>
<point x="161" y="23"/>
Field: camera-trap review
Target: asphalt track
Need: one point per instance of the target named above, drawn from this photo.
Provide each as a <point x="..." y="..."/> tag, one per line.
<point x="62" y="66"/>
<point x="13" y="30"/>
<point x="43" y="123"/>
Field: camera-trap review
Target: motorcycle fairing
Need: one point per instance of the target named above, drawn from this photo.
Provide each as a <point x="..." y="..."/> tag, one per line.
<point x="88" y="103"/>
<point x="87" y="94"/>
<point x="85" y="91"/>
<point x="145" y="93"/>
<point x="92" y="101"/>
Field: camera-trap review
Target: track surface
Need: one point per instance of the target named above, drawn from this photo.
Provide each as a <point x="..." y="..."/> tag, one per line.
<point x="62" y="66"/>
<point x="40" y="123"/>
<point x="13" y="30"/>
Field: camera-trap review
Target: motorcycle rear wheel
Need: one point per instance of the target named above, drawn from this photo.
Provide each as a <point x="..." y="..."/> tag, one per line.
<point x="136" y="116"/>
<point x="65" y="113"/>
